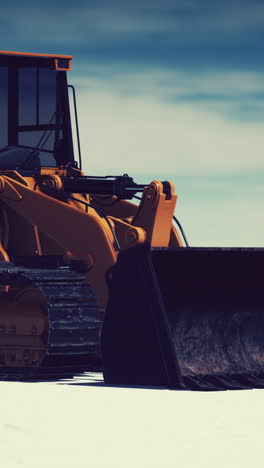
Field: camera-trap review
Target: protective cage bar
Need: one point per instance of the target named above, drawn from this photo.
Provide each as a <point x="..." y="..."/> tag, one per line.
<point x="188" y="318"/>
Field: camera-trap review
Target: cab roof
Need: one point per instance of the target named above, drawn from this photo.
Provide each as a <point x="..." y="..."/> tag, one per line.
<point x="55" y="61"/>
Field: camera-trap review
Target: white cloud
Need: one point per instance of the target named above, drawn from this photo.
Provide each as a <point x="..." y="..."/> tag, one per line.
<point x="129" y="124"/>
<point x="218" y="91"/>
<point x="168" y="82"/>
<point x="127" y="130"/>
<point x="150" y="139"/>
<point x="223" y="223"/>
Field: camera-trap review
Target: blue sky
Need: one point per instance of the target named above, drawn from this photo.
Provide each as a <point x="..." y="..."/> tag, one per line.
<point x="166" y="89"/>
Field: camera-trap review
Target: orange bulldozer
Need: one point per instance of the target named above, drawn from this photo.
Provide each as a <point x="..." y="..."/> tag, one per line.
<point x="90" y="280"/>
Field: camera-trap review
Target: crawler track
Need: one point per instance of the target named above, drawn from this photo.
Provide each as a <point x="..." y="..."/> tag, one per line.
<point x="71" y="339"/>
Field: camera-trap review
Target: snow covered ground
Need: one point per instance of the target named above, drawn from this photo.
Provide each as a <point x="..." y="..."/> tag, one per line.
<point x="83" y="423"/>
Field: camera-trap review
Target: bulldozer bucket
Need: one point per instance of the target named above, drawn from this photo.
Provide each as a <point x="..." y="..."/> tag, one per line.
<point x="186" y="318"/>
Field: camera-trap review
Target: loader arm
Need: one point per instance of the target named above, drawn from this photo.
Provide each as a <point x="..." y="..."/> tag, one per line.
<point x="154" y="214"/>
<point x="85" y="235"/>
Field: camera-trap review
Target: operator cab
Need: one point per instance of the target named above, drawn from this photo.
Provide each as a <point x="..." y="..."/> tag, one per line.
<point x="35" y="126"/>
